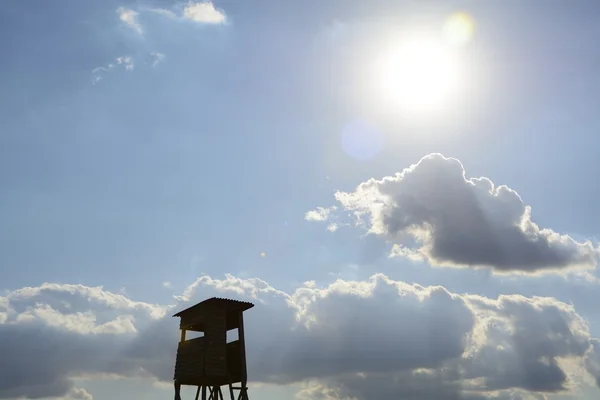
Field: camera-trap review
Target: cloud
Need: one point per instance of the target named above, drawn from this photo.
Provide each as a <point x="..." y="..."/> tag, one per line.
<point x="350" y="339"/>
<point x="130" y="18"/>
<point x="592" y="361"/>
<point x="526" y="338"/>
<point x="163" y="12"/>
<point x="126" y="61"/>
<point x="156" y="58"/>
<point x="320" y="214"/>
<point x="431" y="211"/>
<point x="204" y="13"/>
<point x="413" y="385"/>
<point x="78" y="394"/>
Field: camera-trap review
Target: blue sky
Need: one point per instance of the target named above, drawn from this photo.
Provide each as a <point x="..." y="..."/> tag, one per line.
<point x="172" y="151"/>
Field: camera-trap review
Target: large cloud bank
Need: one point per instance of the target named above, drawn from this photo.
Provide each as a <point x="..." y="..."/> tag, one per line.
<point x="352" y="339"/>
<point x="431" y="211"/>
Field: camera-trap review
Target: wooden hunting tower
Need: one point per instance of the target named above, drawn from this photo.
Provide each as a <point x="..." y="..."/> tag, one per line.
<point x="208" y="361"/>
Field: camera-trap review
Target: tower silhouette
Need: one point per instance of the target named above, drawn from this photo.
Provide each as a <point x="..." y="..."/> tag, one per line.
<point x="208" y="361"/>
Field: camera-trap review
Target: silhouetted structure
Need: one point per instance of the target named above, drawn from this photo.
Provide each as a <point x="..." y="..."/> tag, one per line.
<point x="208" y="361"/>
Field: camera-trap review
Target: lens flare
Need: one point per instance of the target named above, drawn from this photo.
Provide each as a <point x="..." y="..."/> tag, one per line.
<point x="361" y="140"/>
<point x="459" y="29"/>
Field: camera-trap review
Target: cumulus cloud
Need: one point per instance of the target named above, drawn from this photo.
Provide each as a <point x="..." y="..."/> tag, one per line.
<point x="350" y="339"/>
<point x="527" y="339"/>
<point x="204" y="13"/>
<point x="432" y="212"/>
<point x="130" y="18"/>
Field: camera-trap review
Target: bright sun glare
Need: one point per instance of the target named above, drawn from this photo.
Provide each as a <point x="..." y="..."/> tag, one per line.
<point x="422" y="73"/>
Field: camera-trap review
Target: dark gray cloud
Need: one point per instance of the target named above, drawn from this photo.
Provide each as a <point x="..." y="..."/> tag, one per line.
<point x="525" y="341"/>
<point x="432" y="211"/>
<point x="415" y="385"/>
<point x="353" y="338"/>
<point x="421" y="327"/>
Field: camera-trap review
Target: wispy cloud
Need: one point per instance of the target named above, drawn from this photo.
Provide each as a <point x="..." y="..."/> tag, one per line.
<point x="204" y="12"/>
<point x="156" y="58"/>
<point x="129" y="17"/>
<point x="126" y="61"/>
<point x="99" y="70"/>
<point x="163" y="12"/>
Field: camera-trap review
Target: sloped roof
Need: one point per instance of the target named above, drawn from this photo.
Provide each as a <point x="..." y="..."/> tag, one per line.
<point x="228" y="304"/>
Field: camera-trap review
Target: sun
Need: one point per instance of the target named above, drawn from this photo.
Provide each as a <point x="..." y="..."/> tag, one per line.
<point x="418" y="74"/>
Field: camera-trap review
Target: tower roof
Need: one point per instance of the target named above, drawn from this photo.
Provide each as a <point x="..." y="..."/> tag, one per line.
<point x="216" y="302"/>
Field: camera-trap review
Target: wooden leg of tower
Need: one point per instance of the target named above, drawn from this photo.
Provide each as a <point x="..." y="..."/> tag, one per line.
<point x="231" y="391"/>
<point x="243" y="393"/>
<point x="177" y="391"/>
<point x="198" y="393"/>
<point x="203" y="392"/>
<point x="217" y="394"/>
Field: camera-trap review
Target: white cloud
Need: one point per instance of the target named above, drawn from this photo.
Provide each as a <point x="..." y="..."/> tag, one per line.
<point x="126" y="61"/>
<point x="431" y="211"/>
<point x="99" y="69"/>
<point x="332" y="227"/>
<point x="163" y="12"/>
<point x="168" y="285"/>
<point x="204" y="12"/>
<point x="81" y="297"/>
<point x="355" y="339"/>
<point x="130" y="18"/>
<point x="79" y="322"/>
<point x="156" y="58"/>
<point x="77" y="394"/>
<point x="319" y="214"/>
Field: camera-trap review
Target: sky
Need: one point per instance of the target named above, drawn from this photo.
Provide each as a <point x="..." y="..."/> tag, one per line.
<point x="404" y="189"/>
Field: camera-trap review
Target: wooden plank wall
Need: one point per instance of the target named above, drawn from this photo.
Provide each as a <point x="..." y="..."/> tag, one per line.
<point x="216" y="339"/>
<point x="234" y="361"/>
<point x="190" y="320"/>
<point x="190" y="359"/>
